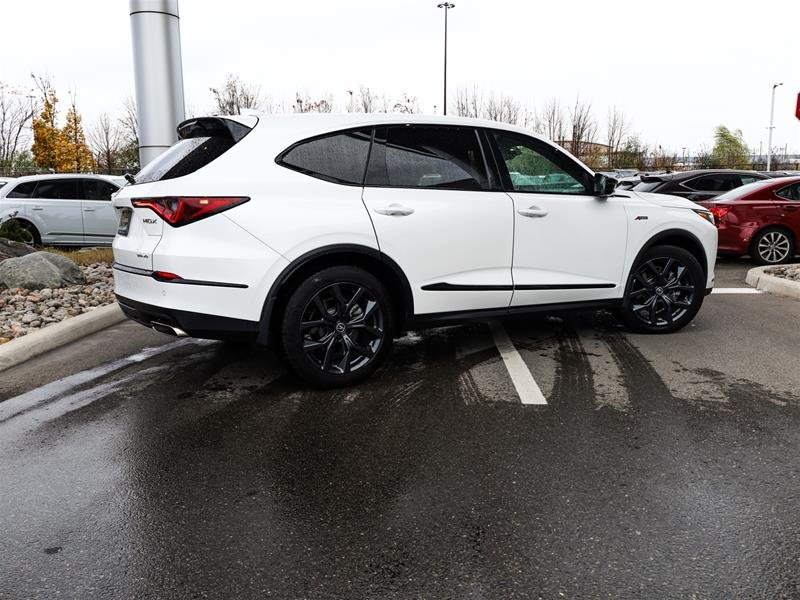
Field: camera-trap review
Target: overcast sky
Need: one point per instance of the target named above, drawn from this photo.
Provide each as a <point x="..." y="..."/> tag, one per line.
<point x="676" y="68"/>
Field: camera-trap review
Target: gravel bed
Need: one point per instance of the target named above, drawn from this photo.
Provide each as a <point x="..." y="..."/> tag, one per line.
<point x="23" y="310"/>
<point x="791" y="272"/>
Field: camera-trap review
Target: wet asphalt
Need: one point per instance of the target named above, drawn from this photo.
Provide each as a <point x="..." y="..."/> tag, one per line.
<point x="133" y="465"/>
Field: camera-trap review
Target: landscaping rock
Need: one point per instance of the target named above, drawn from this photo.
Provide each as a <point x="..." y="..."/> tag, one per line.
<point x="791" y="272"/>
<point x="10" y="249"/>
<point x="40" y="270"/>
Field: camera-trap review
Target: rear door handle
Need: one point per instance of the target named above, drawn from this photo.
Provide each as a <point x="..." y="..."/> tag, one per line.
<point x="395" y="210"/>
<point x="790" y="208"/>
<point x="533" y="212"/>
<point x="36" y="208"/>
<point x="88" y="210"/>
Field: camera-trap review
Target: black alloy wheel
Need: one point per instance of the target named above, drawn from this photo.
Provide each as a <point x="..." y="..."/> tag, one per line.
<point x="337" y="327"/>
<point x="664" y="292"/>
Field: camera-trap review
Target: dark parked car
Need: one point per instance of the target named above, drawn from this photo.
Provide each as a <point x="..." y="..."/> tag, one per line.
<point x="761" y="219"/>
<point x="697" y="185"/>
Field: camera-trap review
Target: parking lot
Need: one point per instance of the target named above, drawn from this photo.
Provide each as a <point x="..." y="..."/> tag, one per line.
<point x="137" y="465"/>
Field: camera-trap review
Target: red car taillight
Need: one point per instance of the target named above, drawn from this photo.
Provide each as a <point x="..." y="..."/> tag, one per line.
<point x="719" y="211"/>
<point x="179" y="211"/>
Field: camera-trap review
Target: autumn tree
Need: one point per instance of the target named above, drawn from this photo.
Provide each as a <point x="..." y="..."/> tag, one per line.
<point x="46" y="135"/>
<point x="74" y="154"/>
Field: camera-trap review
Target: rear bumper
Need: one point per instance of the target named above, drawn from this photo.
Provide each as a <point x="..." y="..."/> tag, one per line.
<point x="198" y="325"/>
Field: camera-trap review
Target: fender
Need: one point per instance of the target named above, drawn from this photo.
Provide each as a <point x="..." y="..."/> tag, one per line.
<point x="663" y="235"/>
<point x="303" y="260"/>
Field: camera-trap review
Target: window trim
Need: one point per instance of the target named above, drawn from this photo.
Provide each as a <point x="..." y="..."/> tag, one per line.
<point x="279" y="159"/>
<point x="551" y="150"/>
<point x="490" y="173"/>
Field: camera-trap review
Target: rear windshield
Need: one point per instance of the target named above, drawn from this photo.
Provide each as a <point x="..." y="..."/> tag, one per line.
<point x="647" y="186"/>
<point x="202" y="140"/>
<point x="185" y="157"/>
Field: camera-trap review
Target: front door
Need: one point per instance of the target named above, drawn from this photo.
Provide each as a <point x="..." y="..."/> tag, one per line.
<point x="430" y="198"/>
<point x="569" y="244"/>
<point x="99" y="217"/>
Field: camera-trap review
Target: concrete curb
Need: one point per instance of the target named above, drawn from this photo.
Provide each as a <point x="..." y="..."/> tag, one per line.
<point x="38" y="342"/>
<point x="760" y="280"/>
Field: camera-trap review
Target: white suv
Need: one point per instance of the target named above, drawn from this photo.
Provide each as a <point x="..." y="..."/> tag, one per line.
<point x="330" y="234"/>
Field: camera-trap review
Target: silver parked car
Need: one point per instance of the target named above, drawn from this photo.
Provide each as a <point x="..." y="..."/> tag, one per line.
<point x="69" y="210"/>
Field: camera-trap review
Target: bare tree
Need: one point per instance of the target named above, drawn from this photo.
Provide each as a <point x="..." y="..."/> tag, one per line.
<point x="367" y="101"/>
<point x="16" y="112"/>
<point x="128" y="136"/>
<point x="551" y="122"/>
<point x="236" y="96"/>
<point x="584" y="130"/>
<point x="407" y="104"/>
<point x="304" y="104"/>
<point x="104" y="140"/>
<point x="502" y="108"/>
<point x="469" y="103"/>
<point x="617" y="129"/>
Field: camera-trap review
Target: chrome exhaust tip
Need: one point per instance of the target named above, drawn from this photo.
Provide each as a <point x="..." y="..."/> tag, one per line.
<point x="168" y="329"/>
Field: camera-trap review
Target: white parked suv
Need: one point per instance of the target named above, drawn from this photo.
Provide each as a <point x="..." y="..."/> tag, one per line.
<point x="65" y="210"/>
<point x="327" y="235"/>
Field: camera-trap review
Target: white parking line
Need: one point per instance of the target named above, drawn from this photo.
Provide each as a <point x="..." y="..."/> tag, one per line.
<point x="521" y="377"/>
<point x="743" y="290"/>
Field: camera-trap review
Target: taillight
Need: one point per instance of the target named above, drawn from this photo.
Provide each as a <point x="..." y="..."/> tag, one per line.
<point x="720" y="210"/>
<point x="178" y="211"/>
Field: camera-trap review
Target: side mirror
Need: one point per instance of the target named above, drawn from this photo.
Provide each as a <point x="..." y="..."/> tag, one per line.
<point x="604" y="185"/>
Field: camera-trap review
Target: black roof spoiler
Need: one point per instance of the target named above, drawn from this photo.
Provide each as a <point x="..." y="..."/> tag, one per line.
<point x="212" y="127"/>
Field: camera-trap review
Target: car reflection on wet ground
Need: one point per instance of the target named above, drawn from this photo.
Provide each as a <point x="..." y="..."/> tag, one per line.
<point x="134" y="465"/>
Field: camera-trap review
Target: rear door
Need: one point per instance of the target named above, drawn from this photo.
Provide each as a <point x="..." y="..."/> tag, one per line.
<point x="787" y="200"/>
<point x="99" y="217"/>
<point x="438" y="216"/>
<point x="56" y="210"/>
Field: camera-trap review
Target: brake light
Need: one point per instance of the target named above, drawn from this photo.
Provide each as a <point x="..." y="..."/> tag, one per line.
<point x="720" y="210"/>
<point x="178" y="211"/>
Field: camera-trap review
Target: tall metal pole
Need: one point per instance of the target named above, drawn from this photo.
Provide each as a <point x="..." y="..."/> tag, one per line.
<point x="446" y="6"/>
<point x="771" y="126"/>
<point x="158" y="72"/>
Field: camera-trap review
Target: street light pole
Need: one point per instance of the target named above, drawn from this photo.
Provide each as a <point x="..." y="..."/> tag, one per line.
<point x="771" y="126"/>
<point x="446" y="6"/>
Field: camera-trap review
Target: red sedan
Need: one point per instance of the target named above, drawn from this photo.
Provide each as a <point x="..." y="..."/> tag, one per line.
<point x="761" y="219"/>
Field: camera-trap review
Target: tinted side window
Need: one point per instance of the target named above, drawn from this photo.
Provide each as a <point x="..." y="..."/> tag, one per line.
<point x="23" y="190"/>
<point x="448" y="158"/>
<point x="341" y="157"/>
<point x="745" y="179"/>
<point x="58" y="189"/>
<point x="790" y="192"/>
<point x="714" y="183"/>
<point x="533" y="166"/>
<point x="647" y="186"/>
<point x="97" y="189"/>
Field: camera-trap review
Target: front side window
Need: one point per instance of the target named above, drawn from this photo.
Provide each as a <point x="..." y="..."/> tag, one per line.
<point x="745" y="179"/>
<point x="790" y="192"/>
<point x="340" y="158"/>
<point x="445" y="158"/>
<point x="23" y="190"/>
<point x="533" y="166"/>
<point x="58" y="189"/>
<point x="97" y="189"/>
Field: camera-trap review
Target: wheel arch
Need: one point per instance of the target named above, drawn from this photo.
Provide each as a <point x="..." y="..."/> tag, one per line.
<point x="36" y="231"/>
<point x="785" y="228"/>
<point x="369" y="259"/>
<point x="672" y="237"/>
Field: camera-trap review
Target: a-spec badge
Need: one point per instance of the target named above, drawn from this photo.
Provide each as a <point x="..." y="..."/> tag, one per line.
<point x="641" y="218"/>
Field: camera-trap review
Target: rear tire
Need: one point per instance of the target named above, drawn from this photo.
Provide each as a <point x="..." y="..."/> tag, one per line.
<point x="337" y="327"/>
<point x="772" y="246"/>
<point x="665" y="289"/>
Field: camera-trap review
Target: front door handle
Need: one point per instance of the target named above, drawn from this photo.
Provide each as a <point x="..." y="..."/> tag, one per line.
<point x="88" y="210"/>
<point x="395" y="210"/>
<point x="533" y="212"/>
<point x="790" y="208"/>
<point x="37" y="208"/>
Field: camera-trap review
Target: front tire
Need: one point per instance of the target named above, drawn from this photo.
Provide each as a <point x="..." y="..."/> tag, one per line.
<point x="665" y="290"/>
<point x="337" y="327"/>
<point x="772" y="246"/>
